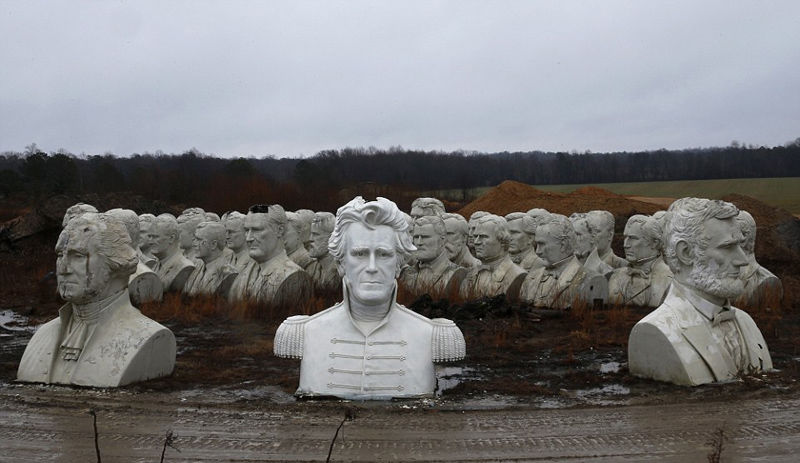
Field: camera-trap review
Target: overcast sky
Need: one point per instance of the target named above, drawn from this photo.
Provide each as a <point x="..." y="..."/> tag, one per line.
<point x="293" y="78"/>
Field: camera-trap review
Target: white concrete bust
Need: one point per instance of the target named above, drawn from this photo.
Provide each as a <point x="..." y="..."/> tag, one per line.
<point x="432" y="273"/>
<point x="144" y="284"/>
<point x="145" y="256"/>
<point x="472" y="223"/>
<point x="173" y="268"/>
<point x="368" y="346"/>
<point x="762" y="288"/>
<point x="99" y="339"/>
<point x="601" y="224"/>
<point x="296" y="229"/>
<point x="522" y="230"/>
<point x="307" y="217"/>
<point x="322" y="267"/>
<point x="497" y="274"/>
<point x="270" y="278"/>
<point x="557" y="285"/>
<point x="76" y="210"/>
<point x="187" y="222"/>
<point x="212" y="275"/>
<point x="695" y="336"/>
<point x="239" y="255"/>
<point x="457" y="230"/>
<point x="644" y="282"/>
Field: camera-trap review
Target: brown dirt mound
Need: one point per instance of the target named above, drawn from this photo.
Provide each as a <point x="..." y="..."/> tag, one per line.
<point x="512" y="196"/>
<point x="594" y="191"/>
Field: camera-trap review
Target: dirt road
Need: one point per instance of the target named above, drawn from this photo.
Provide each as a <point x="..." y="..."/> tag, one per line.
<point x="39" y="423"/>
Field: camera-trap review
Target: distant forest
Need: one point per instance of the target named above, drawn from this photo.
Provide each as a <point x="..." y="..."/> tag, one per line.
<point x="221" y="183"/>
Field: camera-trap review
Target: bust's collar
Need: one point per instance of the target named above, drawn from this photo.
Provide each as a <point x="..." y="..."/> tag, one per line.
<point x="707" y="308"/>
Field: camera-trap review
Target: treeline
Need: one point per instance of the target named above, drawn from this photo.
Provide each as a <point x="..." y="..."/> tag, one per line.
<point x="319" y="182"/>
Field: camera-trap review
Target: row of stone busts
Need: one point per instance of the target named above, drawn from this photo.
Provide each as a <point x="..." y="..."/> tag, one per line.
<point x="693" y="337"/>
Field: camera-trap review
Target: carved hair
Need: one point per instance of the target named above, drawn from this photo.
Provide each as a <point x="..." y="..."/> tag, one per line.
<point x="233" y="217"/>
<point x="429" y="206"/>
<point x="212" y="217"/>
<point x="458" y="223"/>
<point x="436" y="221"/>
<point x="651" y="230"/>
<point x="75" y="210"/>
<point x="685" y="222"/>
<point x="325" y="221"/>
<point x="563" y="231"/>
<point x="167" y="224"/>
<point x="747" y="224"/>
<point x="528" y="225"/>
<point x="477" y="215"/>
<point x="371" y="215"/>
<point x="111" y="240"/>
<point x="500" y="227"/>
<point x="193" y="215"/>
<point x="599" y="221"/>
<point x="216" y="231"/>
<point x="130" y="220"/>
<point x="275" y="213"/>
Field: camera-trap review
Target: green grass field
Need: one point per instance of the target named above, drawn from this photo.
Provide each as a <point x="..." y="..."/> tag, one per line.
<point x="781" y="192"/>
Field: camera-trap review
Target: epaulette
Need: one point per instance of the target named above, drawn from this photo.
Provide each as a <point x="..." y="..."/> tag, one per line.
<point x="288" y="341"/>
<point x="448" y="341"/>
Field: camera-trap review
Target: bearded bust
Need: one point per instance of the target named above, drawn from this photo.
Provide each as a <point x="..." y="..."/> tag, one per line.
<point x="99" y="339"/>
<point x="695" y="336"/>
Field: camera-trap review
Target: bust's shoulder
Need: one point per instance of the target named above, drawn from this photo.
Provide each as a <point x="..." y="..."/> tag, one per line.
<point x="290" y="335"/>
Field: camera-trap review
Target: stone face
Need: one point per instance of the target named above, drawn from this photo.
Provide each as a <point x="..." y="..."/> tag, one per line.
<point x="99" y="338"/>
<point x="601" y="224"/>
<point x="457" y="230"/>
<point x="497" y="274"/>
<point x="212" y="274"/>
<point x="432" y="273"/>
<point x="270" y="278"/>
<point x="368" y="346"/>
<point x="695" y="336"/>
<point x="173" y="268"/>
<point x="322" y="267"/>
<point x="559" y="284"/>
<point x="644" y="282"/>
<point x="762" y="288"/>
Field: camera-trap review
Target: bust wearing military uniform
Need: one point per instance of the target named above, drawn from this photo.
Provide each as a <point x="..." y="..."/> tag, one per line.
<point x="695" y="337"/>
<point x="368" y="346"/>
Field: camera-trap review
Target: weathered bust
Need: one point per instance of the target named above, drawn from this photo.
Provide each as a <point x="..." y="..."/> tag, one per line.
<point x="426" y="206"/>
<point x="145" y="256"/>
<point x="323" y="268"/>
<point x="172" y="267"/>
<point x="212" y="275"/>
<point x="270" y="278"/>
<point x="522" y="229"/>
<point x="189" y="220"/>
<point x="432" y="272"/>
<point x="99" y="339"/>
<point x="645" y="280"/>
<point x="695" y="336"/>
<point x="144" y="284"/>
<point x="761" y="287"/>
<point x="239" y="255"/>
<point x="558" y="284"/>
<point x="296" y="229"/>
<point x="601" y="224"/>
<point x="307" y="216"/>
<point x="457" y="251"/>
<point x="497" y="274"/>
<point x="472" y="223"/>
<point x="586" y="248"/>
<point x="76" y="210"/>
<point x="368" y="346"/>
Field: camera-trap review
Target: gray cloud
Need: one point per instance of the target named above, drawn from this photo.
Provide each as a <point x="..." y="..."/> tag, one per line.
<point x="292" y="78"/>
